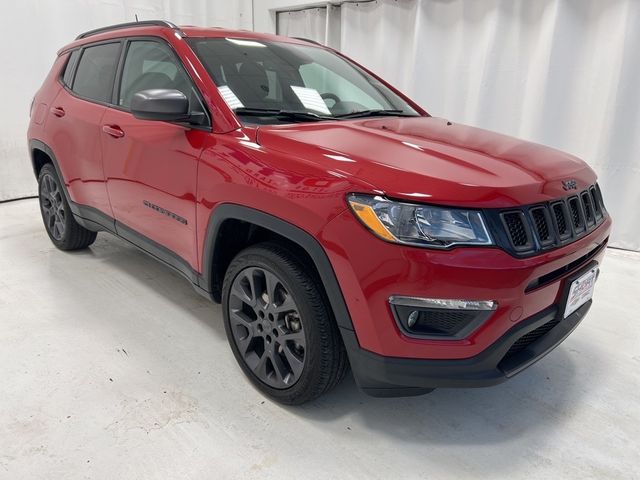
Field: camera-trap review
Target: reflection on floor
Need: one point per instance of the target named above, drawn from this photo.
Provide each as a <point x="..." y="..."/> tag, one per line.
<point x="112" y="366"/>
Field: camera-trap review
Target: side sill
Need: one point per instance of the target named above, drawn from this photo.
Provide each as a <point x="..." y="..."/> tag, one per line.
<point x="95" y="220"/>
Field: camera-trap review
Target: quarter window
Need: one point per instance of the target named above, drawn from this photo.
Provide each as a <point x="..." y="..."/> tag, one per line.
<point x="96" y="72"/>
<point x="67" y="78"/>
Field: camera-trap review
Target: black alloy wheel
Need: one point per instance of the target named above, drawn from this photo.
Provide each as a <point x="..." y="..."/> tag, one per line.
<point x="53" y="206"/>
<point x="63" y="229"/>
<point x="280" y="325"/>
<point x="267" y="327"/>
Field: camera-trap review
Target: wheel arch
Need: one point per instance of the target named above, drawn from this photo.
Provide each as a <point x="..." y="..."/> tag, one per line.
<point x="42" y="154"/>
<point x="251" y="225"/>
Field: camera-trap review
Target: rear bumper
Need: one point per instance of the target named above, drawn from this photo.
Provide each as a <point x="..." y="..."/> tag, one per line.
<point x="391" y="376"/>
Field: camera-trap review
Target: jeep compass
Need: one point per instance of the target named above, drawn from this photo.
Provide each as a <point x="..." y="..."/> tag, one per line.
<point x="334" y="219"/>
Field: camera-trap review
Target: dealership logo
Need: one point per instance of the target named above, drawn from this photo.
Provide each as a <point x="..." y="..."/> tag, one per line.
<point x="569" y="184"/>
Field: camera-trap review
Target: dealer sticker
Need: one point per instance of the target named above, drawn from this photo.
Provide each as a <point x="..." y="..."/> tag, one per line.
<point x="581" y="291"/>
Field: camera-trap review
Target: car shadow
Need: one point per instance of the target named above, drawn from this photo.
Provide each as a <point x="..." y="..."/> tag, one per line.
<point x="537" y="401"/>
<point x="155" y="275"/>
<point x="529" y="401"/>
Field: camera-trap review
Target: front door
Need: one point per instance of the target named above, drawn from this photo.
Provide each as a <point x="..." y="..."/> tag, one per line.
<point x="151" y="167"/>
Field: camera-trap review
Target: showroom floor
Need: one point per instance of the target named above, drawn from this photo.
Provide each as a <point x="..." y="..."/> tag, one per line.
<point x="112" y="366"/>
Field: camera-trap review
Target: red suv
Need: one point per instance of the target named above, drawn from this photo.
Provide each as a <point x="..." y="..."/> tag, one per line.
<point x="336" y="221"/>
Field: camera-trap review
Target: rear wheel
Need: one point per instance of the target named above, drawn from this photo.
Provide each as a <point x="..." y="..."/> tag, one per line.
<point x="279" y="325"/>
<point x="62" y="228"/>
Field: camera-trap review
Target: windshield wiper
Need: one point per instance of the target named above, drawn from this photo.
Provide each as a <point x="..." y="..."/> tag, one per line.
<point x="285" y="114"/>
<point x="375" y="113"/>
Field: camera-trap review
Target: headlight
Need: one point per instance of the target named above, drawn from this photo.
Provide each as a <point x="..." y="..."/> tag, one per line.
<point x="422" y="225"/>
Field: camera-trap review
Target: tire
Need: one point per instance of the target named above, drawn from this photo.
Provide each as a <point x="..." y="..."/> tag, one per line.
<point x="287" y="342"/>
<point x="62" y="228"/>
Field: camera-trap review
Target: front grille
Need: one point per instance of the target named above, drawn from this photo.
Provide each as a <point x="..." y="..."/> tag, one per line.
<point x="596" y="202"/>
<point x="588" y="208"/>
<point x="542" y="224"/>
<point x="530" y="229"/>
<point x="516" y="226"/>
<point x="576" y="214"/>
<point x="559" y="272"/>
<point x="528" y="338"/>
<point x="560" y="215"/>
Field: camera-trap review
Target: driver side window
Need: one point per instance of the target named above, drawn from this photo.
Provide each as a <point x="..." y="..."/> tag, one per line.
<point x="151" y="65"/>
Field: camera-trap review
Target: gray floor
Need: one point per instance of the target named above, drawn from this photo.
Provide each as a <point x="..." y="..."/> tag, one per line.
<point x="113" y="367"/>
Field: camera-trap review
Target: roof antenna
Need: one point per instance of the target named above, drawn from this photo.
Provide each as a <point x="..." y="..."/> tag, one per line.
<point x="137" y="18"/>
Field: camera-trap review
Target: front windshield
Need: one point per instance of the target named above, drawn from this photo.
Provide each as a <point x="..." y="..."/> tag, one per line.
<point x="261" y="80"/>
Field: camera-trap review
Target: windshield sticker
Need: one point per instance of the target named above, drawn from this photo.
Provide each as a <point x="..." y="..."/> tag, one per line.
<point x="230" y="97"/>
<point x="311" y="99"/>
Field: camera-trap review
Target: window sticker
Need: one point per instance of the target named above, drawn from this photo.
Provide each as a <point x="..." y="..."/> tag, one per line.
<point x="230" y="97"/>
<point x="311" y="99"/>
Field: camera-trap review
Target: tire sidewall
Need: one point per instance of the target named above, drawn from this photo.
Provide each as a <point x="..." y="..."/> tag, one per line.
<point x="255" y="257"/>
<point x="48" y="169"/>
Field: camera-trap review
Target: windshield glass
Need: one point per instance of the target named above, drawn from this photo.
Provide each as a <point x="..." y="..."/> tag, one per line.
<point x="271" y="82"/>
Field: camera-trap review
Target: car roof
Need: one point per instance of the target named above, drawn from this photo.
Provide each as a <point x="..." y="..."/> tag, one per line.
<point x="158" y="28"/>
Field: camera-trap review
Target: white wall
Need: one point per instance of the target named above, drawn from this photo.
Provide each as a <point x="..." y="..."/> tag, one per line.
<point x="565" y="73"/>
<point x="560" y="72"/>
<point x="33" y="30"/>
<point x="264" y="12"/>
<point x="312" y="23"/>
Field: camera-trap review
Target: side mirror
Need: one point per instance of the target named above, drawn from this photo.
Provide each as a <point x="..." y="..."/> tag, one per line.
<point x="161" y="104"/>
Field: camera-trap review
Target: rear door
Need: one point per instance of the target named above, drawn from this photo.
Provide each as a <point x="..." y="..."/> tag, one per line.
<point x="150" y="166"/>
<point x="75" y="121"/>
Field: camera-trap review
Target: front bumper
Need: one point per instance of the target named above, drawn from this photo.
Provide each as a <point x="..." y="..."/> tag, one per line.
<point x="370" y="271"/>
<point x="390" y="376"/>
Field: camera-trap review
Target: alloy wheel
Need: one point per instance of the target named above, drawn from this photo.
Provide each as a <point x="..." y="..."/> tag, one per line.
<point x="266" y="327"/>
<point x="52" y="206"/>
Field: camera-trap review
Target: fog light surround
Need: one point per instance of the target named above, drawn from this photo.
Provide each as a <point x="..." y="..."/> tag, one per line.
<point x="438" y="318"/>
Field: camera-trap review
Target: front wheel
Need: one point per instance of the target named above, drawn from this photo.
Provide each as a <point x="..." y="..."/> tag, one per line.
<point x="280" y="328"/>
<point x="62" y="228"/>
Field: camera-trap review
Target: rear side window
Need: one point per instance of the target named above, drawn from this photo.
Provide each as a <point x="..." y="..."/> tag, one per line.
<point x="67" y="78"/>
<point x="96" y="72"/>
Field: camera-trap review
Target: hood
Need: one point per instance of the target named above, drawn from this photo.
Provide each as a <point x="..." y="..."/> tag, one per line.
<point x="431" y="160"/>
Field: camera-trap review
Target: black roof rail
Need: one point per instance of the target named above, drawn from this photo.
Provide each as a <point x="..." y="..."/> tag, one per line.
<point x="143" y="23"/>
<point x="308" y="40"/>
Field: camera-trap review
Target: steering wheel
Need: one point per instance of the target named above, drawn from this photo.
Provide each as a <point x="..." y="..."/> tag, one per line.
<point x="330" y="96"/>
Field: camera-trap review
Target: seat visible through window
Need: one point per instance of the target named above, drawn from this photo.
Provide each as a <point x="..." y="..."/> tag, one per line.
<point x="250" y="83"/>
<point x="150" y="65"/>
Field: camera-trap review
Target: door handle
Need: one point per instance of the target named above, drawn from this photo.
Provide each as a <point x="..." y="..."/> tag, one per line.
<point x="58" y="111"/>
<point x="113" y="131"/>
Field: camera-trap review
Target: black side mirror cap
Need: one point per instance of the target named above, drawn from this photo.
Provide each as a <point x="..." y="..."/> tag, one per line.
<point x="161" y="104"/>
